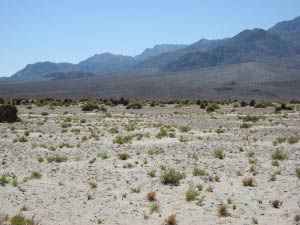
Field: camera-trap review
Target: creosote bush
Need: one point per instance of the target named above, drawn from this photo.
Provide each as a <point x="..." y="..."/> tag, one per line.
<point x="172" y="177"/>
<point x="8" y="113"/>
<point x="89" y="106"/>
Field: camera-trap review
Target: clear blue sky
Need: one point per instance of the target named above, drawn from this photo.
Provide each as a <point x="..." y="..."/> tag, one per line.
<point x="72" y="30"/>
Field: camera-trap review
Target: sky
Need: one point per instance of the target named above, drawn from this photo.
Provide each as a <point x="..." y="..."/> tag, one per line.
<point x="73" y="30"/>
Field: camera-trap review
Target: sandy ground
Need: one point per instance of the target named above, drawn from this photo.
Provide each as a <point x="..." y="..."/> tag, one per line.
<point x="64" y="194"/>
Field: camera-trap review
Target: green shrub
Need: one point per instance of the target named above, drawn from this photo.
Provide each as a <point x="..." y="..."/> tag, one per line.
<point x="298" y="172"/>
<point x="8" y="113"/>
<point x="212" y="107"/>
<point x="219" y="154"/>
<point x="90" y="106"/>
<point x="122" y="139"/>
<point x="172" y="177"/>
<point x="199" y="172"/>
<point x="279" y="155"/>
<point x="123" y="156"/>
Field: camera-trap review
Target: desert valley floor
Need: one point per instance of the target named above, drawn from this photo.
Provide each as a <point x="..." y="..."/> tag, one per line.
<point x="237" y="165"/>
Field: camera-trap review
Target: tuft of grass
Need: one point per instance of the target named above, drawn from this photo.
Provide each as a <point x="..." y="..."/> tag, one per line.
<point x="122" y="140"/>
<point x="199" y="172"/>
<point x="123" y="156"/>
<point x="135" y="190"/>
<point x="103" y="155"/>
<point x="223" y="210"/>
<point x="93" y="185"/>
<point x="151" y="196"/>
<point x="191" y="194"/>
<point x="155" y="208"/>
<point x="279" y="155"/>
<point x="172" y="177"/>
<point x="219" y="154"/>
<point x="4" y="180"/>
<point x="171" y="220"/>
<point x="184" y="129"/>
<point x="35" y="175"/>
<point x="57" y="159"/>
<point x="21" y="220"/>
<point x="293" y="139"/>
<point x="298" y="172"/>
<point x="152" y="173"/>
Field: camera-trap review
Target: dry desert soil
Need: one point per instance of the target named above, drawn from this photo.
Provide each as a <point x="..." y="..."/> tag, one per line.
<point x="133" y="167"/>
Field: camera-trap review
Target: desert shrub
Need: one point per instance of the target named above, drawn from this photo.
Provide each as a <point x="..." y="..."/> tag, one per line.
<point x="252" y="103"/>
<point x="162" y="133"/>
<point x="219" y="154"/>
<point x="249" y="181"/>
<point x="155" y="208"/>
<point x="191" y="194"/>
<point x="134" y="105"/>
<point x="4" y="180"/>
<point x="212" y="107"/>
<point x="293" y="139"/>
<point x="260" y="105"/>
<point x="21" y="220"/>
<point x="103" y="155"/>
<point x="122" y="139"/>
<point x="89" y="106"/>
<point x="8" y="113"/>
<point x="172" y="177"/>
<point x="123" y="156"/>
<point x="249" y="118"/>
<point x="135" y="190"/>
<point x="199" y="172"/>
<point x="298" y="172"/>
<point x="184" y="129"/>
<point x="171" y="220"/>
<point x="151" y="196"/>
<point x="276" y="203"/>
<point x="245" y="125"/>
<point x="57" y="159"/>
<point x="223" y="210"/>
<point x="152" y="173"/>
<point x="279" y="155"/>
<point x="243" y="104"/>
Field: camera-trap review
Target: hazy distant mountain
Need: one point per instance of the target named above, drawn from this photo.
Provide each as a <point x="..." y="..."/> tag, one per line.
<point x="69" y="75"/>
<point x="249" y="45"/>
<point x="106" y="63"/>
<point x="163" y="59"/>
<point x="288" y="31"/>
<point x="157" y="50"/>
<point x="255" y="45"/>
<point x="40" y="69"/>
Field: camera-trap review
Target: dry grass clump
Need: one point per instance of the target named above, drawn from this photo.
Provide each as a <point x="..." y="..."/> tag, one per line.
<point x="223" y="210"/>
<point x="171" y="220"/>
<point x="151" y="196"/>
<point x="155" y="208"/>
<point x="249" y="181"/>
<point x="191" y="194"/>
<point x="276" y="203"/>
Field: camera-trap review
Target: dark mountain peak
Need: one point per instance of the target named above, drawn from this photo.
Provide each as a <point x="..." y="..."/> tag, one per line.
<point x="289" y="31"/>
<point x="288" y="25"/>
<point x="40" y="69"/>
<point x="157" y="50"/>
<point x="251" y="35"/>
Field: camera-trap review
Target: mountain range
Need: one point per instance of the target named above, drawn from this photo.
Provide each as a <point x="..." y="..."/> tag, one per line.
<point x="274" y="51"/>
